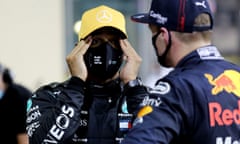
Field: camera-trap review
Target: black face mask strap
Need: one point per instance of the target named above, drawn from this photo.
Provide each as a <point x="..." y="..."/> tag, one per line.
<point x="154" y="38"/>
<point x="164" y="55"/>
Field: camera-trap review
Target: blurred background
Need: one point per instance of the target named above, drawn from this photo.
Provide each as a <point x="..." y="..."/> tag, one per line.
<point x="36" y="35"/>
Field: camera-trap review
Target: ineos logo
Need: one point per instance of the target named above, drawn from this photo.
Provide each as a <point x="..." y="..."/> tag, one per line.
<point x="62" y="121"/>
<point x="104" y="16"/>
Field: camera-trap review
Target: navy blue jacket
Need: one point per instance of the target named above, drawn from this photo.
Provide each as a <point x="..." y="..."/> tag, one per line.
<point x="197" y="103"/>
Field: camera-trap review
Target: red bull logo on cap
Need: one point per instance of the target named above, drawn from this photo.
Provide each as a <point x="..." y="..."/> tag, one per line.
<point x="228" y="81"/>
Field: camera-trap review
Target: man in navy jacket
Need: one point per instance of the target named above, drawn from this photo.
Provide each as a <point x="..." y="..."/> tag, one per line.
<point x="199" y="101"/>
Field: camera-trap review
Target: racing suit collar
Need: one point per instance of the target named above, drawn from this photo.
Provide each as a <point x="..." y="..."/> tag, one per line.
<point x="209" y="52"/>
<point x="109" y="89"/>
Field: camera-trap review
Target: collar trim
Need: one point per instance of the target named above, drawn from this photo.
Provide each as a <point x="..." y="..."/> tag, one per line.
<point x="208" y="53"/>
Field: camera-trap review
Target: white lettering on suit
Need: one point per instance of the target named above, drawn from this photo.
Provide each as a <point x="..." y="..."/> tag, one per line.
<point x="62" y="122"/>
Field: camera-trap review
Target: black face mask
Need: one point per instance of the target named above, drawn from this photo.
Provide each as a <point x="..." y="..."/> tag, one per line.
<point x="103" y="61"/>
<point x="162" y="58"/>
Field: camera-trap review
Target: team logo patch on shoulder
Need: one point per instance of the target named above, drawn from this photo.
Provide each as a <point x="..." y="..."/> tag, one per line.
<point x="161" y="88"/>
<point x="228" y="81"/>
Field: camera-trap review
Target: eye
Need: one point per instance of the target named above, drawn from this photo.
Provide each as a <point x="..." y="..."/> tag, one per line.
<point x="96" y="42"/>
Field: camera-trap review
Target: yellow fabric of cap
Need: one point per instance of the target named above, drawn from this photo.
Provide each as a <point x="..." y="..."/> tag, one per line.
<point x="101" y="16"/>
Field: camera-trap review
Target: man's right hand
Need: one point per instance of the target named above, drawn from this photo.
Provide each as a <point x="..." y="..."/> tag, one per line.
<point x="75" y="59"/>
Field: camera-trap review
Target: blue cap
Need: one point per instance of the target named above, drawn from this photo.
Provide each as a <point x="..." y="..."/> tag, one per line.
<point x="176" y="15"/>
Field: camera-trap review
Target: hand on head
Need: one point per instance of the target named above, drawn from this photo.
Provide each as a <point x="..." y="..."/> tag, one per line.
<point x="132" y="62"/>
<point x="75" y="59"/>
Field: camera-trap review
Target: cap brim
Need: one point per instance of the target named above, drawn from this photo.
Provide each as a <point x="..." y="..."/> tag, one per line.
<point x="142" y="18"/>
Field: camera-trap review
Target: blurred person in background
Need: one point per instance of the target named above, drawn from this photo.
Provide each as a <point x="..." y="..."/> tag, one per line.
<point x="89" y="107"/>
<point x="13" y="102"/>
<point x="199" y="101"/>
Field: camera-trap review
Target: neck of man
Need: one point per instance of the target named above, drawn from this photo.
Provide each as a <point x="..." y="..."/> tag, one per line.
<point x="180" y="49"/>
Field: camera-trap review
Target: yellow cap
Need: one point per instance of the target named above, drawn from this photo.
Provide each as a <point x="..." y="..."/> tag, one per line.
<point x="101" y="16"/>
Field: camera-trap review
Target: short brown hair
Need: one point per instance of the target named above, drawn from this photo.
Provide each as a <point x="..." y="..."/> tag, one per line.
<point x="201" y="20"/>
